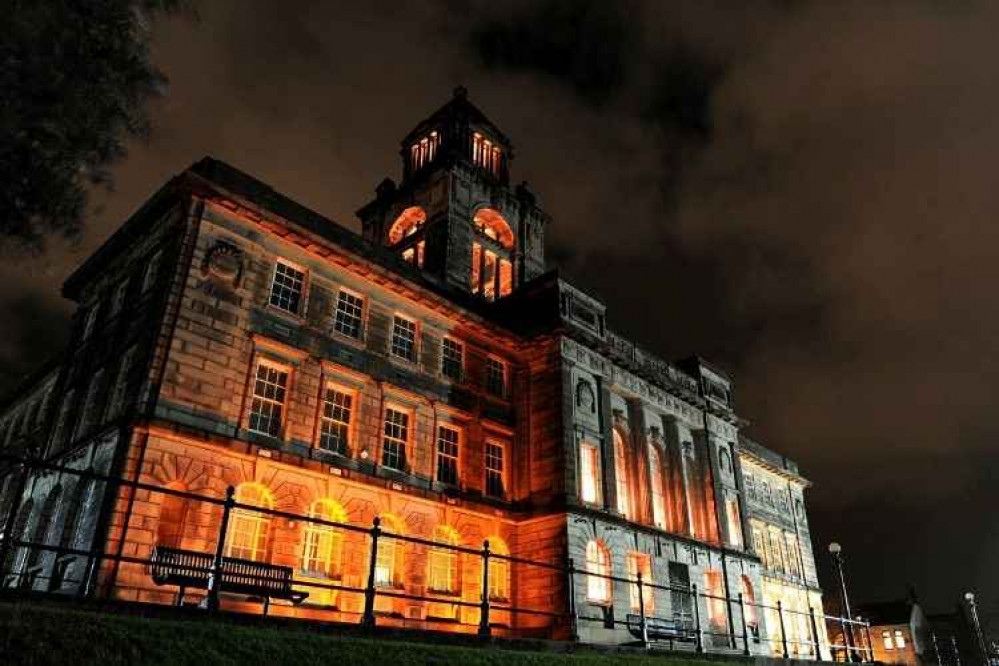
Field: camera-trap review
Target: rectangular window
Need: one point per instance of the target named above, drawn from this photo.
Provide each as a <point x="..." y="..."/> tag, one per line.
<point x="287" y="288"/>
<point x="489" y="276"/>
<point x="151" y="273"/>
<point x="334" y="428"/>
<point x="641" y="563"/>
<point x="495" y="486"/>
<point x="404" y="339"/>
<point x="496" y="377"/>
<point x="886" y="637"/>
<point x="269" y="394"/>
<point x="899" y="639"/>
<point x="120" y="390"/>
<point x="452" y="359"/>
<point x="349" y="316"/>
<point x="760" y="544"/>
<point x="793" y="554"/>
<point x="589" y="473"/>
<point x="505" y="277"/>
<point x="414" y="254"/>
<point x="714" y="587"/>
<point x="396" y="439"/>
<point x="447" y="454"/>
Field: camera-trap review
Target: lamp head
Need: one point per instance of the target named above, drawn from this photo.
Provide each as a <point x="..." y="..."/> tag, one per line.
<point x="969" y="597"/>
<point x="835" y="548"/>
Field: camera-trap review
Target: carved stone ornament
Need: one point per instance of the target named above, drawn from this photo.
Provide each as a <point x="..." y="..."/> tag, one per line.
<point x="585" y="399"/>
<point x="224" y="264"/>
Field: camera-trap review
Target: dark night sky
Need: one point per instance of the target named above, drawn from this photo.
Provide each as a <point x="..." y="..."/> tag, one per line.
<point x="803" y="192"/>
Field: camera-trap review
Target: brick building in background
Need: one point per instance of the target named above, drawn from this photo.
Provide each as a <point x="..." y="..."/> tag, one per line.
<point x="428" y="372"/>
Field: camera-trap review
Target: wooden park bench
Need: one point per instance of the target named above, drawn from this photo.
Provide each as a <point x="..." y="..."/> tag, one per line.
<point x="191" y="569"/>
<point x="660" y="629"/>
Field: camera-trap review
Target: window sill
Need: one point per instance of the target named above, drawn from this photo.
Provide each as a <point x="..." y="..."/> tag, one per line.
<point x="357" y="343"/>
<point x="290" y="317"/>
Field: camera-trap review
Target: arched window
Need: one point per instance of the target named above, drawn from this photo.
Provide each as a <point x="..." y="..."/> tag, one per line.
<point x="658" y="498"/>
<point x="409" y="223"/>
<point x="322" y="550"/>
<point x="499" y="571"/>
<point x="74" y="512"/>
<point x="621" y="474"/>
<point x="173" y="518"/>
<point x="40" y="535"/>
<point x="20" y="532"/>
<point x="598" y="565"/>
<point x="492" y="269"/>
<point x="389" y="563"/>
<point x="249" y="530"/>
<point x="444" y="573"/>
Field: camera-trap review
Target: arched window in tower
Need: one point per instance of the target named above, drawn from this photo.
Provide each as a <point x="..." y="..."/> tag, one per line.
<point x="621" y="474"/>
<point x="486" y="154"/>
<point x="249" y="530"/>
<point x="407" y="233"/>
<point x="423" y="151"/>
<point x="492" y="245"/>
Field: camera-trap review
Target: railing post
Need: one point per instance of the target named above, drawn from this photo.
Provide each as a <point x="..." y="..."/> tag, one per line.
<point x="368" y="619"/>
<point x="783" y="632"/>
<point x="484" y="630"/>
<point x="870" y="645"/>
<point x="815" y="634"/>
<point x="745" y="629"/>
<point x="936" y="647"/>
<point x="571" y="587"/>
<point x="697" y="620"/>
<point x="215" y="579"/>
<point x="641" y="611"/>
<point x="11" y="518"/>
<point x="953" y="647"/>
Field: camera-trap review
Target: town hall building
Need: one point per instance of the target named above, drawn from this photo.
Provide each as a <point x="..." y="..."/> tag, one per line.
<point x="429" y="373"/>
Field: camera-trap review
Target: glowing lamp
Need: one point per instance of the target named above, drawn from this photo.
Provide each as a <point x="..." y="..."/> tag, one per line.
<point x="835" y="548"/>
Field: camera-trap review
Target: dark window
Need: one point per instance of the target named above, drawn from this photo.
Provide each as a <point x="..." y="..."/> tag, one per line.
<point x="286" y="289"/>
<point x="404" y="338"/>
<point x="267" y="408"/>
<point x="334" y="432"/>
<point x="496" y="377"/>
<point x="494" y="470"/>
<point x="447" y="455"/>
<point x="452" y="359"/>
<point x="396" y="438"/>
<point x="349" y="315"/>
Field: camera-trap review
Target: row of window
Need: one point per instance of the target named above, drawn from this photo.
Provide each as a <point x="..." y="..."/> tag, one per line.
<point x="119" y="295"/>
<point x="338" y="416"/>
<point x="287" y="294"/>
<point x="898" y="642"/>
<point x="589" y="489"/>
<point x="25" y="418"/>
<point x="599" y="585"/>
<point x="760" y="491"/>
<point x="323" y="546"/>
<point x="780" y="551"/>
<point x="485" y="153"/>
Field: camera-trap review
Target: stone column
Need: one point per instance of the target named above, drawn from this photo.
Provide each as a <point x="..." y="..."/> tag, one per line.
<point x="608" y="470"/>
<point x="641" y="506"/>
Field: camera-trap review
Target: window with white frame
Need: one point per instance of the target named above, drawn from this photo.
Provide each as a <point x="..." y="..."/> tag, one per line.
<point x="496" y="376"/>
<point x="448" y="442"/>
<point x="396" y="439"/>
<point x="270" y="387"/>
<point x="287" y="287"/>
<point x="444" y="574"/>
<point x="589" y="473"/>
<point x="120" y="390"/>
<point x="334" y="426"/>
<point x="249" y="530"/>
<point x="404" y="338"/>
<point x="349" y="317"/>
<point x="495" y="482"/>
<point x="322" y="548"/>
<point x="452" y="359"/>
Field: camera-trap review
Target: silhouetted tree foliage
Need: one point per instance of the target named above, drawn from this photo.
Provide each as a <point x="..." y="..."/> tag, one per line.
<point x="75" y="80"/>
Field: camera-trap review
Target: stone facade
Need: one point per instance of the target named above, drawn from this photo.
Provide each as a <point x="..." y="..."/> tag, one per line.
<point x="428" y="373"/>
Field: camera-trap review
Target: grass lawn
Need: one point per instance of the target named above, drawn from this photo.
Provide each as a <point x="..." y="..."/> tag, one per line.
<point x="37" y="633"/>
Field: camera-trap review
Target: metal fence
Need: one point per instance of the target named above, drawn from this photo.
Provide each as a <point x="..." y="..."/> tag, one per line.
<point x="215" y="573"/>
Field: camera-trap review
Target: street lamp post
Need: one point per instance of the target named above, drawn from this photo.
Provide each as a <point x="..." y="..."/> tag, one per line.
<point x="977" y="627"/>
<point x="835" y="550"/>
